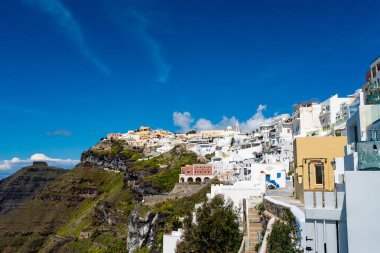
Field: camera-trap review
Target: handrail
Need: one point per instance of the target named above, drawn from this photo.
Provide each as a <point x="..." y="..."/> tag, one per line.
<point x="263" y="248"/>
<point x="242" y="246"/>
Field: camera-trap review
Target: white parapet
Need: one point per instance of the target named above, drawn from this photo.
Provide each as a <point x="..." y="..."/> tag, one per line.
<point x="170" y="241"/>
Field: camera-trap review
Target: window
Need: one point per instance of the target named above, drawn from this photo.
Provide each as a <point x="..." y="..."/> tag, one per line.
<point x="318" y="174"/>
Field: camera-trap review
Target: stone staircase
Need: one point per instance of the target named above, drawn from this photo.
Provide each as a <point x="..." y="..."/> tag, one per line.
<point x="254" y="228"/>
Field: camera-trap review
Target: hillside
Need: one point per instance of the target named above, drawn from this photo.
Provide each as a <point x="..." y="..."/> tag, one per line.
<point x="97" y="205"/>
<point x="23" y="185"/>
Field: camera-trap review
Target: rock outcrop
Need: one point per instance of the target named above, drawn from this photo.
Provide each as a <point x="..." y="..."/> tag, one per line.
<point x="106" y="160"/>
<point x="143" y="230"/>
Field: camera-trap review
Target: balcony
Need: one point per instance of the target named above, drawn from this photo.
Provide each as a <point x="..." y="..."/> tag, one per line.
<point x="373" y="99"/>
<point x="368" y="155"/>
<point x="374" y="85"/>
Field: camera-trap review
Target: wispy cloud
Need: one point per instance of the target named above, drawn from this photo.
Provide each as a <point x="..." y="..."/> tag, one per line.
<point x="185" y="120"/>
<point x="163" y="68"/>
<point x="63" y="17"/>
<point x="60" y="132"/>
<point x="16" y="163"/>
<point x="16" y="109"/>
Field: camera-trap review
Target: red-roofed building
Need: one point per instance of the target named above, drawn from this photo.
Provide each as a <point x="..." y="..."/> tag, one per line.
<point x="196" y="173"/>
<point x="113" y="136"/>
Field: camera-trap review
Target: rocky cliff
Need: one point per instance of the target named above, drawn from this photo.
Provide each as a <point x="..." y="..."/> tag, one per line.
<point x="23" y="185"/>
<point x="143" y="230"/>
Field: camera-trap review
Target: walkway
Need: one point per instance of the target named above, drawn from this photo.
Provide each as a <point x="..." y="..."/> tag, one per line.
<point x="285" y="195"/>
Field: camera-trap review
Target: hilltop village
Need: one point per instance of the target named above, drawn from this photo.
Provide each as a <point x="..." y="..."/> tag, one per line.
<point x="312" y="162"/>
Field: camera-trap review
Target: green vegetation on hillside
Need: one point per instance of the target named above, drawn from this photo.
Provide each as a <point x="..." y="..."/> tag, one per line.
<point x="119" y="148"/>
<point x="87" y="208"/>
<point x="166" y="167"/>
<point x="173" y="210"/>
<point x="66" y="208"/>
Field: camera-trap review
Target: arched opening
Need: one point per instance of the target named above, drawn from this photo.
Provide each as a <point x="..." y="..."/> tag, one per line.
<point x="198" y="180"/>
<point x="190" y="180"/>
<point x="206" y="179"/>
<point x="182" y="180"/>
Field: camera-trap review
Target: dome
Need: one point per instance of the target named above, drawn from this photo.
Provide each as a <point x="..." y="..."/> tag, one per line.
<point x="229" y="128"/>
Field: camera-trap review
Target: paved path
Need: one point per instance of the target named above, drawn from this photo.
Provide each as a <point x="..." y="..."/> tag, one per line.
<point x="179" y="191"/>
<point x="286" y="195"/>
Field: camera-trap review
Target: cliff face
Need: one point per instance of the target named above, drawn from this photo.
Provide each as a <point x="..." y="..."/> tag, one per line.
<point x="106" y="160"/>
<point x="143" y="230"/>
<point x="86" y="202"/>
<point x="97" y="205"/>
<point x="23" y="185"/>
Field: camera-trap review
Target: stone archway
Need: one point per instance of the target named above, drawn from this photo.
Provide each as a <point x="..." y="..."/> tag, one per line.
<point x="190" y="180"/>
<point x="206" y="179"/>
<point x="182" y="180"/>
<point x="198" y="180"/>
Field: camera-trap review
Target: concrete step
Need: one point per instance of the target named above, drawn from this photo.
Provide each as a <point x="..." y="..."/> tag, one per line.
<point x="254" y="234"/>
<point x="253" y="244"/>
<point x="253" y="238"/>
<point x="253" y="211"/>
<point x="254" y="220"/>
<point x="257" y="226"/>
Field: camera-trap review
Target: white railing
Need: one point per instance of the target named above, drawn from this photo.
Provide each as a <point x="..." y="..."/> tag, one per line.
<point x="243" y="245"/>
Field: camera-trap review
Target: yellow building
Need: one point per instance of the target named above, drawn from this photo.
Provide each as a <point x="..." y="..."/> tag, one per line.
<point x="313" y="156"/>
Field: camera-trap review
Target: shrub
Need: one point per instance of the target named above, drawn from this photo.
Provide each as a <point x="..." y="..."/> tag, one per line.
<point x="216" y="229"/>
<point x="284" y="238"/>
<point x="260" y="207"/>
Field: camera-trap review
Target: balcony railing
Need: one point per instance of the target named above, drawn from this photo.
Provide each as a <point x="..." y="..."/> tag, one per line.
<point x="373" y="98"/>
<point x="368" y="155"/>
<point x="374" y="85"/>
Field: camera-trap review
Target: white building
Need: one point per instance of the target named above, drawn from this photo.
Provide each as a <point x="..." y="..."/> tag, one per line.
<point x="170" y="241"/>
<point x="277" y="141"/>
<point x="372" y="87"/>
<point x="240" y="190"/>
<point x="275" y="173"/>
<point x="305" y="119"/>
<point x="346" y="220"/>
<point x="329" y="110"/>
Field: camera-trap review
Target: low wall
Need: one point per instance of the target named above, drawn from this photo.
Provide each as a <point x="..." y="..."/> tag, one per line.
<point x="280" y="209"/>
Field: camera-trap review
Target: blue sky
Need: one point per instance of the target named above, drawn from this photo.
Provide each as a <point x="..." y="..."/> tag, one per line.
<point x="71" y="71"/>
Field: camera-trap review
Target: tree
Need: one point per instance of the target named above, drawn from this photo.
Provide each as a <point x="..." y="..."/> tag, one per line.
<point x="216" y="229"/>
<point x="283" y="237"/>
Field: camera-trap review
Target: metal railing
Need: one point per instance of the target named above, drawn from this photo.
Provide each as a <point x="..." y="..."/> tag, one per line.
<point x="368" y="155"/>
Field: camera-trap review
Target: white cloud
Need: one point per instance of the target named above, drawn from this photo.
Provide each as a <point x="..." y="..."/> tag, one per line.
<point x="60" y="132"/>
<point x="16" y="163"/>
<point x="63" y="17"/>
<point x="256" y="120"/>
<point x="184" y="120"/>
<point x="204" y="124"/>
